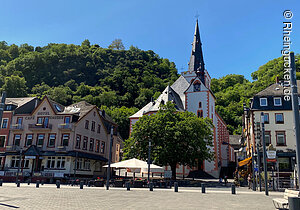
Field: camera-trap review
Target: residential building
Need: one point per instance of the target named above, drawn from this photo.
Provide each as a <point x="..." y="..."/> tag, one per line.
<point x="278" y="121"/>
<point x="191" y="92"/>
<point x="58" y="142"/>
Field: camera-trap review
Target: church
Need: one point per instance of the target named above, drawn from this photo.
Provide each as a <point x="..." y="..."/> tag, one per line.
<point x="191" y="92"/>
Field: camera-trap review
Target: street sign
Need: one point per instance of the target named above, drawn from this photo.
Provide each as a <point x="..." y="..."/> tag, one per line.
<point x="271" y="154"/>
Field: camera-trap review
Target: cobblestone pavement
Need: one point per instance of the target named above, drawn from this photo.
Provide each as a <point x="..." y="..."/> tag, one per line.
<point x="67" y="197"/>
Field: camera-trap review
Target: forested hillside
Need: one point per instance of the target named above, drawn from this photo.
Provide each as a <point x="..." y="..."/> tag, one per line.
<point x="117" y="80"/>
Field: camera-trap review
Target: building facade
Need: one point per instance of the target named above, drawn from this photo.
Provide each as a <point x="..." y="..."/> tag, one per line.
<point x="58" y="142"/>
<point x="191" y="92"/>
<point x="278" y="120"/>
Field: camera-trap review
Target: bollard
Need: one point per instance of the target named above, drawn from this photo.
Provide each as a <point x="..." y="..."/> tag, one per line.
<point x="89" y="183"/>
<point x="43" y="181"/>
<point x="37" y="183"/>
<point x="28" y="182"/>
<point x="151" y="186"/>
<point x="81" y="184"/>
<point x="72" y="182"/>
<point x="203" y="187"/>
<point x="1" y="182"/>
<point x="18" y="183"/>
<point x="294" y="203"/>
<point x="175" y="186"/>
<point x="233" y="189"/>
<point x="128" y="186"/>
<point x="58" y="183"/>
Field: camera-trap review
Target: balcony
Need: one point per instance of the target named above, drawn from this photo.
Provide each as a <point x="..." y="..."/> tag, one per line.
<point x="12" y="148"/>
<point x="35" y="127"/>
<point x="65" y="126"/>
<point x="16" y="127"/>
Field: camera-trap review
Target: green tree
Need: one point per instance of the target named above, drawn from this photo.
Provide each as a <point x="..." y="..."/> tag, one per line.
<point x="117" y="44"/>
<point x="15" y="86"/>
<point x="176" y="137"/>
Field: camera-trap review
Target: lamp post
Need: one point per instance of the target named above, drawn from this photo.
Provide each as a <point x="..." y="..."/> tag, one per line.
<point x="109" y="157"/>
<point x="258" y="167"/>
<point x="149" y="161"/>
<point x="19" y="165"/>
<point x="264" y="152"/>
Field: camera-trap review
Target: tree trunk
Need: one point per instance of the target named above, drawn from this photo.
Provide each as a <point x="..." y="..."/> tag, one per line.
<point x="173" y="169"/>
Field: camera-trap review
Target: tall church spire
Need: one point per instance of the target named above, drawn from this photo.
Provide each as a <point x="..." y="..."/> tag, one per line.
<point x="196" y="63"/>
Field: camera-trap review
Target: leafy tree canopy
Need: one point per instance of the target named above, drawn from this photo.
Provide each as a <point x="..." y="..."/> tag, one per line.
<point x="176" y="138"/>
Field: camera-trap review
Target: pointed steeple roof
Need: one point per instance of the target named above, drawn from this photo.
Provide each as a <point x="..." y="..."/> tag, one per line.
<point x="196" y="63"/>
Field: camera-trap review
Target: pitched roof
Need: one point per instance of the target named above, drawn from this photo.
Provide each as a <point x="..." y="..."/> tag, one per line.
<point x="167" y="95"/>
<point x="80" y="108"/>
<point x="18" y="101"/>
<point x="275" y="90"/>
<point x="180" y="86"/>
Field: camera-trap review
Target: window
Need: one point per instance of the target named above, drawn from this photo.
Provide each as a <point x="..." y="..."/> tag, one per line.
<point x="29" y="138"/>
<point x="277" y="101"/>
<point x="263" y="102"/>
<point x="200" y="113"/>
<point x="43" y="121"/>
<point x="15" y="161"/>
<point x="67" y="119"/>
<point x="9" y="107"/>
<point x="51" y="140"/>
<point x="4" y="123"/>
<point x="79" y="163"/>
<point x="78" y="140"/>
<point x="65" y="139"/>
<point x="25" y="163"/>
<point x="2" y="141"/>
<point x="196" y="87"/>
<point x="19" y="120"/>
<point x="280" y="138"/>
<point x="86" y="124"/>
<point x="266" y="118"/>
<point x="85" y="141"/>
<point x="91" y="144"/>
<point x="51" y="162"/>
<point x="200" y="105"/>
<point x="99" y="128"/>
<point x="102" y="150"/>
<point x="279" y="118"/>
<point x="40" y="139"/>
<point x="268" y="137"/>
<point x="87" y="165"/>
<point x="93" y="126"/>
<point x="97" y="146"/>
<point x="17" y="139"/>
<point x="60" y="162"/>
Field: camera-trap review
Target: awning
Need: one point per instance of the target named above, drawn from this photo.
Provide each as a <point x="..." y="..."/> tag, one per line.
<point x="244" y="162"/>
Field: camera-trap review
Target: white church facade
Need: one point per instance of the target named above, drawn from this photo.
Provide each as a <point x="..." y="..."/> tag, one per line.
<point x="191" y="92"/>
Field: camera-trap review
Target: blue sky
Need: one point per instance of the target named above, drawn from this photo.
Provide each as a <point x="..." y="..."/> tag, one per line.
<point x="238" y="36"/>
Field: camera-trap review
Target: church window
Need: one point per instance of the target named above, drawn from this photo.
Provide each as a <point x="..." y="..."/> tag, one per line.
<point x="200" y="105"/>
<point x="200" y="113"/>
<point x="196" y="87"/>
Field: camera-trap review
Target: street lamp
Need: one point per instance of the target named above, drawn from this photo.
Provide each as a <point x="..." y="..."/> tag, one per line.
<point x="264" y="152"/>
<point x="109" y="157"/>
<point x="149" y="152"/>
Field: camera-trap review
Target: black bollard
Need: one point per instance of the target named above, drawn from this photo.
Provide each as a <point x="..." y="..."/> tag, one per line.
<point x="37" y="183"/>
<point x="151" y="186"/>
<point x="175" y="186"/>
<point x="128" y="186"/>
<point x="233" y="189"/>
<point x="72" y="182"/>
<point x="58" y="183"/>
<point x="28" y="182"/>
<point x="203" y="187"/>
<point x="43" y="181"/>
<point x="1" y="182"/>
<point x="81" y="184"/>
<point x="18" y="183"/>
<point x="89" y="183"/>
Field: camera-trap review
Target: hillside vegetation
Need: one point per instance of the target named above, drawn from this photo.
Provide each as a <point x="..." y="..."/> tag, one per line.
<point x="117" y="80"/>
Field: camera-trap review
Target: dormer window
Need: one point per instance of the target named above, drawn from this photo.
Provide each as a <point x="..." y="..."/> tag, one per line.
<point x="263" y="102"/>
<point x="277" y="101"/>
<point x="196" y="87"/>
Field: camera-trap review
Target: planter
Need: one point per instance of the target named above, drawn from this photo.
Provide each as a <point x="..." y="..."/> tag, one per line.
<point x="119" y="183"/>
<point x="138" y="184"/>
<point x="99" y="183"/>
